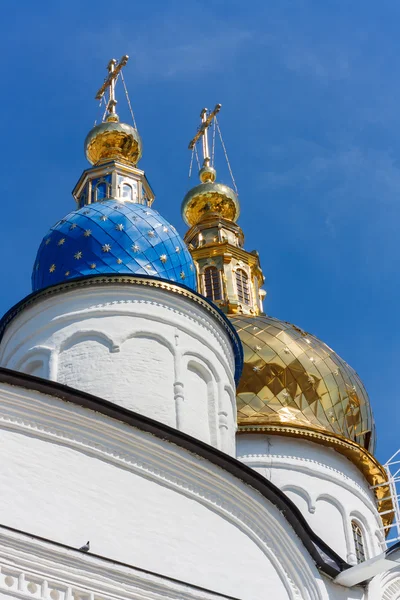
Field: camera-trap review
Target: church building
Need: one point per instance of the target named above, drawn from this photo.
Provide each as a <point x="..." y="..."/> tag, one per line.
<point x="162" y="436"/>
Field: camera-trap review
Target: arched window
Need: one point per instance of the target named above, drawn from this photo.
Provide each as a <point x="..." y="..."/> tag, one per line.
<point x="212" y="283"/>
<point x="101" y="191"/>
<point x="358" y="541"/>
<point x="127" y="192"/>
<point x="242" y="286"/>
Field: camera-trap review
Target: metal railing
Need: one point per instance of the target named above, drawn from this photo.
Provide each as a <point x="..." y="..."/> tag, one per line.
<point x="392" y="468"/>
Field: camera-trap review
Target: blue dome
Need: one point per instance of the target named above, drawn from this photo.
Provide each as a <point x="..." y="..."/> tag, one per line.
<point x="110" y="237"/>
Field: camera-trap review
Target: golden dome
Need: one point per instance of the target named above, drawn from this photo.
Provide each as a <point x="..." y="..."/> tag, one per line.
<point x="112" y="140"/>
<point x="210" y="197"/>
<point x="292" y="379"/>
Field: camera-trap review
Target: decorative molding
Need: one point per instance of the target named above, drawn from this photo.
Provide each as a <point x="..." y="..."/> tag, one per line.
<point x="324" y="471"/>
<point x="160" y="461"/>
<point x="96" y="281"/>
<point x="33" y="568"/>
<point x="98" y="310"/>
<point x="371" y="469"/>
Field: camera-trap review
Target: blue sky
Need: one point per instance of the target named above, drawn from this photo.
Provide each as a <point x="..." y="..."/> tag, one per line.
<point x="311" y="119"/>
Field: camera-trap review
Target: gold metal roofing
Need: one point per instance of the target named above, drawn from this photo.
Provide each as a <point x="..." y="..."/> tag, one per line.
<point x="293" y="379"/>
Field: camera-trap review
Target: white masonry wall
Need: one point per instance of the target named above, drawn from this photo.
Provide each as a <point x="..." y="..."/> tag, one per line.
<point x="327" y="488"/>
<point x="149" y="350"/>
<point x="70" y="474"/>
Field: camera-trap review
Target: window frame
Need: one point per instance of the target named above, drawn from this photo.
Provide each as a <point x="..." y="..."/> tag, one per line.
<point x="359" y="541"/>
<point x="214" y="284"/>
<point x="243" y="286"/>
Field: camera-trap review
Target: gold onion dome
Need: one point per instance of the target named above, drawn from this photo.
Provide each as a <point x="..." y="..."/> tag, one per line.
<point x="209" y="198"/>
<point x="293" y="380"/>
<point x="112" y="140"/>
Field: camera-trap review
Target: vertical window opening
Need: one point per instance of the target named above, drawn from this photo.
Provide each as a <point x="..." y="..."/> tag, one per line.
<point x="101" y="191"/>
<point x="127" y="192"/>
<point x="358" y="542"/>
<point x="212" y="283"/>
<point x="242" y="286"/>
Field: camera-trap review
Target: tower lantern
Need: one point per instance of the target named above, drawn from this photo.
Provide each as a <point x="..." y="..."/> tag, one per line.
<point x="227" y="274"/>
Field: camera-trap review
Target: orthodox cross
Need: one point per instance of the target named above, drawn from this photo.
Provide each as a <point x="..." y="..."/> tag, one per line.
<point x="114" y="67"/>
<point x="206" y="120"/>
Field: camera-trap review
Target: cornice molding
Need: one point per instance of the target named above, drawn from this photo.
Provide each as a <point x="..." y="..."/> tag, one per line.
<point x="223" y="492"/>
<point x="310" y="466"/>
<point x="31" y="567"/>
<point x="97" y="281"/>
<point x="372" y="470"/>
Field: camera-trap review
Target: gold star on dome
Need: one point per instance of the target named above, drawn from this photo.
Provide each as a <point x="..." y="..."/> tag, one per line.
<point x="191" y="267"/>
<point x="119" y="227"/>
<point x="78" y="255"/>
<point x="165" y="229"/>
<point x="93" y="266"/>
<point x="66" y="273"/>
<point x="182" y="275"/>
<point x="177" y="249"/>
<point x="256" y="369"/>
<point x="257" y="348"/>
<point x="52" y="268"/>
<point x="151" y="234"/>
<point x="135" y="247"/>
<point x="106" y="248"/>
<point x="61" y="242"/>
<point x="312" y="359"/>
<point x="163" y="258"/>
<point x="119" y="261"/>
<point x="103" y="218"/>
<point x="73" y="226"/>
<point x="87" y="233"/>
<point x="286" y="350"/>
<point x="47" y="242"/>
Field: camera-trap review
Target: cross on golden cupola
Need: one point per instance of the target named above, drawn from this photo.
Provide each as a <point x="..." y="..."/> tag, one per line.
<point x="227" y="274"/>
<point x="113" y="148"/>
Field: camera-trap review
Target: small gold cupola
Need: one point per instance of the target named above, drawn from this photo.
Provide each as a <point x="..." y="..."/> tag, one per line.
<point x="227" y="274"/>
<point x="113" y="149"/>
<point x="111" y="139"/>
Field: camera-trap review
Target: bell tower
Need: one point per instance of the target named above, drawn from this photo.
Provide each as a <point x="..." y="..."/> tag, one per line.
<point x="227" y="273"/>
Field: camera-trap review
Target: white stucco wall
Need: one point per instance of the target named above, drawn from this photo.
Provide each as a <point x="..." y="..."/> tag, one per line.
<point x="328" y="489"/>
<point x="73" y="475"/>
<point x="150" y="350"/>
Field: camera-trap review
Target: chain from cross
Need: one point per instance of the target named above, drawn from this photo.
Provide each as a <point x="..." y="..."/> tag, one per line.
<point x="114" y="67"/>
<point x="206" y="120"/>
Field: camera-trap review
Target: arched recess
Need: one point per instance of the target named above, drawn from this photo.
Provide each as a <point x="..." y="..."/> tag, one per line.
<point x="149" y="335"/>
<point x="101" y="190"/>
<point x="198" y="411"/>
<point x="88" y="335"/>
<point x="137" y="373"/>
<point x="329" y="509"/>
<point x="297" y="493"/>
<point x="36" y="362"/>
<point x="367" y="535"/>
